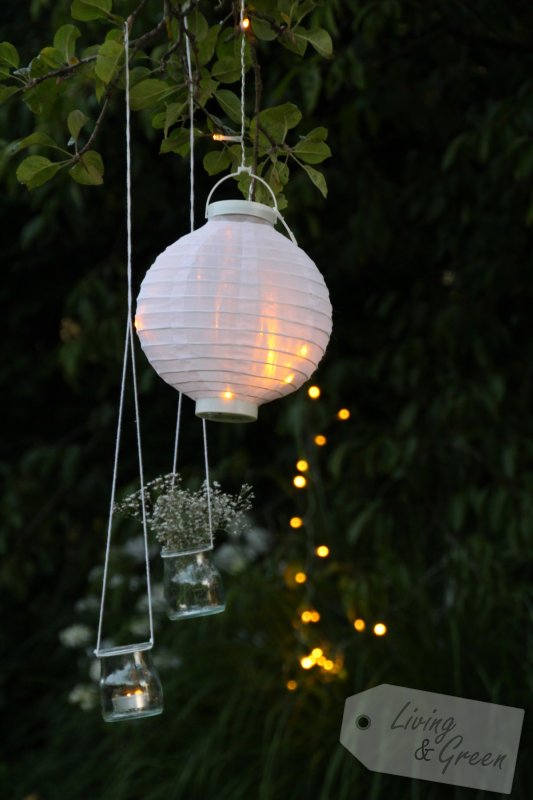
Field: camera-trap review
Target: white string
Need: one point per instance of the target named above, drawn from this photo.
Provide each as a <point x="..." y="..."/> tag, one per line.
<point x="243" y="84"/>
<point x="207" y="483"/>
<point x="191" y="123"/>
<point x="176" y="440"/>
<point x="191" y="199"/>
<point x="129" y="341"/>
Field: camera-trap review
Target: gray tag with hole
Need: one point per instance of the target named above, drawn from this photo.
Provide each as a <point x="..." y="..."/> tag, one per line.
<point x="433" y="737"/>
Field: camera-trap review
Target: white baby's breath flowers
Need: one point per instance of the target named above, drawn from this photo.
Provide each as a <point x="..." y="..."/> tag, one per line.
<point x="180" y="517"/>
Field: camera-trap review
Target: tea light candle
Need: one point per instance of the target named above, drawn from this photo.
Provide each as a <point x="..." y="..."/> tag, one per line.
<point x="131" y="701"/>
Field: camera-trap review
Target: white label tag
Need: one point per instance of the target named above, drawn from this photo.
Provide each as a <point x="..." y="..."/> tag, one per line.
<point x="433" y="737"/>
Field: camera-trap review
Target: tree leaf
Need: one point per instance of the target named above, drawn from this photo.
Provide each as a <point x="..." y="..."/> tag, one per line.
<point x="87" y="10"/>
<point x="6" y="92"/>
<point x="36" y="170"/>
<point x="108" y="59"/>
<point x="75" y="122"/>
<point x="149" y="92"/>
<point x="51" y="57"/>
<point x="293" y="42"/>
<point x="216" y="161"/>
<point x="311" y="151"/>
<point x="317" y="178"/>
<point x="65" y="41"/>
<point x="276" y="121"/>
<point x="263" y="30"/>
<point x="318" y="38"/>
<point x="9" y="55"/>
<point x="37" y="138"/>
<point x="177" y="142"/>
<point x="229" y="103"/>
<point x="89" y="169"/>
<point x="226" y="69"/>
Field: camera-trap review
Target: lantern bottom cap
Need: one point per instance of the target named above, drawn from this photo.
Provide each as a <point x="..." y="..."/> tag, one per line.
<point x="226" y="410"/>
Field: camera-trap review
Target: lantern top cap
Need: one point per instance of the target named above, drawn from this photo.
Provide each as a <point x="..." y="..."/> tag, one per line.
<point x="246" y="207"/>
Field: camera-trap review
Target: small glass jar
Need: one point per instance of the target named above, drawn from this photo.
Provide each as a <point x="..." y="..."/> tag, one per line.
<point x="193" y="585"/>
<point x="129" y="684"/>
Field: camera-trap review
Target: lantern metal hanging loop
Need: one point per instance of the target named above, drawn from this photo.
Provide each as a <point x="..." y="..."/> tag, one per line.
<point x="234" y="314"/>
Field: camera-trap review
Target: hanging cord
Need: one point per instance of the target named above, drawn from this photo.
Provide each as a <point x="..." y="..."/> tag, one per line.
<point x="190" y="81"/>
<point x="208" y="492"/>
<point x="243" y="83"/>
<point x="128" y="345"/>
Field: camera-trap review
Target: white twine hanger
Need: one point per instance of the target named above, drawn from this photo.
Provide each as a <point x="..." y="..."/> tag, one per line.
<point x="129" y="351"/>
<point x="190" y="80"/>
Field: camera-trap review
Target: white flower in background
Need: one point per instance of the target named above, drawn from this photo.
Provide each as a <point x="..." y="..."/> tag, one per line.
<point x="95" y="670"/>
<point x="75" y="636"/>
<point x="89" y="603"/>
<point x="257" y="541"/>
<point x="158" y="600"/>
<point x="166" y="659"/>
<point x="231" y="558"/>
<point x="84" y="695"/>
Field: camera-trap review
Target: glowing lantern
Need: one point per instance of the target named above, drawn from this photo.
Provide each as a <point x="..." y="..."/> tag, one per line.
<point x="234" y="314"/>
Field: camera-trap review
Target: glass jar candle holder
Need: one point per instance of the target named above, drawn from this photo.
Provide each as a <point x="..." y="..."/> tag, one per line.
<point x="129" y="683"/>
<point x="193" y="585"/>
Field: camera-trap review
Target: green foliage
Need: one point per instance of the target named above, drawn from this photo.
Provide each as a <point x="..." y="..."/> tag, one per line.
<point x="58" y="83"/>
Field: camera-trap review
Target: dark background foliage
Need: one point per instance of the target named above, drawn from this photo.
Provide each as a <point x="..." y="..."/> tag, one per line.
<point x="424" y="495"/>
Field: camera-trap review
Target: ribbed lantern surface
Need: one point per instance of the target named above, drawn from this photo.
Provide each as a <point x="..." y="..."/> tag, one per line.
<point x="234" y="314"/>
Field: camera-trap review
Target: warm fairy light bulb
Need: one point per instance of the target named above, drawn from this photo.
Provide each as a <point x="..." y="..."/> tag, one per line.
<point x="328" y="664"/>
<point x="310" y="616"/>
<point x="320" y="440"/>
<point x="359" y="624"/>
<point x="218" y="137"/>
<point x="296" y="522"/>
<point x="300" y="577"/>
<point x="316" y="652"/>
<point x="313" y="392"/>
<point x="321" y="661"/>
<point x="291" y="685"/>
<point x="380" y="629"/>
<point x="306" y="662"/>
<point x="343" y="414"/>
<point x="302" y="465"/>
<point x="299" y="481"/>
<point x="245" y="23"/>
<point x="322" y="551"/>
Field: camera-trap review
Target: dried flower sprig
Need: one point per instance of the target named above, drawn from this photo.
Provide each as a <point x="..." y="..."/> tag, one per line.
<point x="179" y="517"/>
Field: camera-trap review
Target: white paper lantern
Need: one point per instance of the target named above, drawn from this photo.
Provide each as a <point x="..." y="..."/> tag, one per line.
<point x="234" y="314"/>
